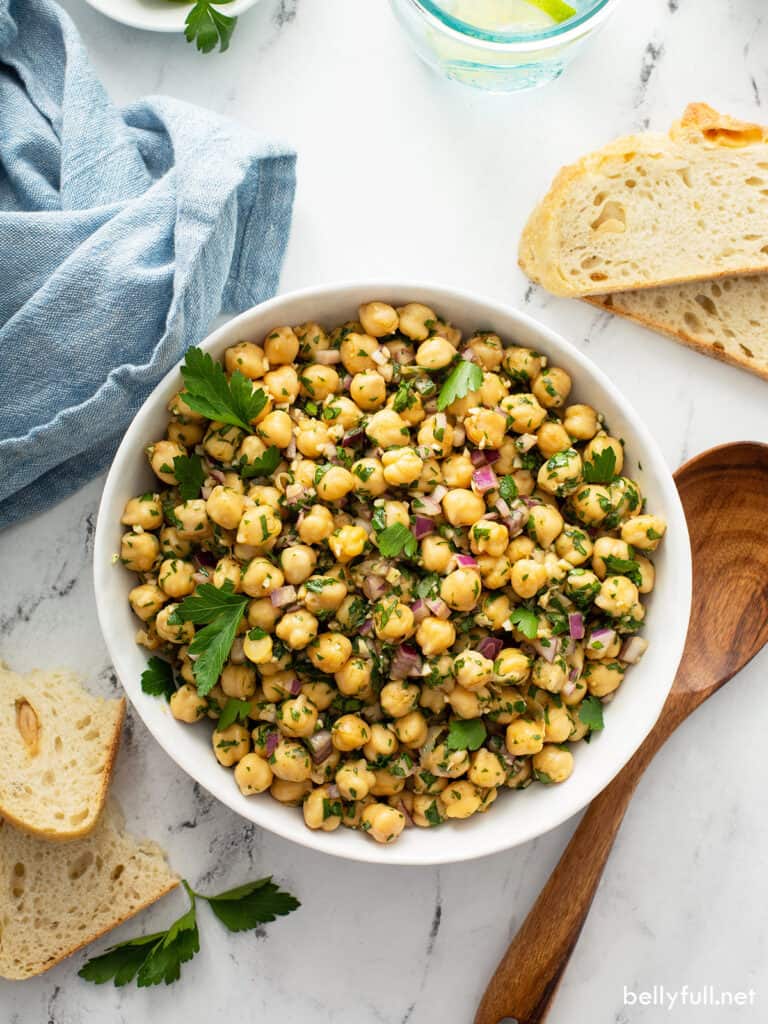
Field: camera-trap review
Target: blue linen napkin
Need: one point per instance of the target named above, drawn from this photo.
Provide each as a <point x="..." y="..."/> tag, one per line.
<point x="122" y="234"/>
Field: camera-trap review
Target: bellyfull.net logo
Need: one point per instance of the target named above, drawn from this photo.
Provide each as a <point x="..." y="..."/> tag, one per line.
<point x="673" y="998"/>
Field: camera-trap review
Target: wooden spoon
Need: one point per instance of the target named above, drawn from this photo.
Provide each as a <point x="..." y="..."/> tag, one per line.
<point x="724" y="493"/>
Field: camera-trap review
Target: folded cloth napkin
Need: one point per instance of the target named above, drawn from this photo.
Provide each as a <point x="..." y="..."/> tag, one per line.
<point x="122" y="234"/>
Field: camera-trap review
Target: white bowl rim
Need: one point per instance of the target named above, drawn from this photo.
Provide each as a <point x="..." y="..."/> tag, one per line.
<point x="489" y="841"/>
<point x="134" y="15"/>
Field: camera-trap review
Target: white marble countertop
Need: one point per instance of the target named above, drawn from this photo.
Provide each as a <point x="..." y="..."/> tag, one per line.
<point x="402" y="174"/>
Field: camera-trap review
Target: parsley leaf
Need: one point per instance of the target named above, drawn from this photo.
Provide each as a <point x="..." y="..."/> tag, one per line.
<point x="264" y="465"/>
<point x="507" y="488"/>
<point x="234" y="710"/>
<point x="157" y="678"/>
<point x="316" y="584"/>
<point x="465" y="734"/>
<point x="222" y="609"/>
<point x="208" y="391"/>
<point x="624" y="567"/>
<point x="526" y="621"/>
<point x="205" y="26"/>
<point x="252" y="904"/>
<point x="396" y="539"/>
<point x="591" y="713"/>
<point x="428" y="585"/>
<point x="178" y="945"/>
<point x="602" y="469"/>
<point x="188" y="470"/>
<point x="120" y="963"/>
<point x="463" y="378"/>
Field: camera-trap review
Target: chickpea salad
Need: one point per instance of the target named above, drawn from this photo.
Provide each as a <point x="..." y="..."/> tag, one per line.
<point x="395" y="566"/>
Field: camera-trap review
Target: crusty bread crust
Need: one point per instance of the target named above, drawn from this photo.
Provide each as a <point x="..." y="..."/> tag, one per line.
<point x="541" y="243"/>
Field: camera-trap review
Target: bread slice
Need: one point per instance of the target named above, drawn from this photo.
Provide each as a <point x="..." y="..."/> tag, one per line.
<point x="57" y="747"/>
<point x="654" y="209"/>
<point x="55" y="898"/>
<point x="727" y="318"/>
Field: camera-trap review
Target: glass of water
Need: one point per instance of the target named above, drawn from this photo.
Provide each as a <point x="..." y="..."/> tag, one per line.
<point x="501" y="45"/>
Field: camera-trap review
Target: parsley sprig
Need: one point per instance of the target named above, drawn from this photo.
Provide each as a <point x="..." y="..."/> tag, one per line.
<point x="189" y="471"/>
<point x="156" y="958"/>
<point x="396" y="539"/>
<point x="602" y="468"/>
<point x="207" y="27"/>
<point x="157" y="678"/>
<point x="264" y="465"/>
<point x="466" y="376"/>
<point x="220" y="610"/>
<point x="526" y="621"/>
<point x="591" y="713"/>
<point x="466" y="734"/>
<point x="208" y="391"/>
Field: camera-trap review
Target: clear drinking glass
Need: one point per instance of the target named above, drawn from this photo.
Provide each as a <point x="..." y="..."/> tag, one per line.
<point x="498" y="45"/>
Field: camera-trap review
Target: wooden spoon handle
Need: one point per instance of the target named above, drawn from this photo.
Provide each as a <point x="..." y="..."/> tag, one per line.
<point x="527" y="977"/>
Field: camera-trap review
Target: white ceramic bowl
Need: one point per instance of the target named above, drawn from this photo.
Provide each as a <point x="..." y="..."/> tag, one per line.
<point x="517" y="816"/>
<point x="158" y="15"/>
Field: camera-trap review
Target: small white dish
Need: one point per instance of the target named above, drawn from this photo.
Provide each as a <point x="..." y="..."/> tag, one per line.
<point x="159" y="15"/>
<point x="517" y="816"/>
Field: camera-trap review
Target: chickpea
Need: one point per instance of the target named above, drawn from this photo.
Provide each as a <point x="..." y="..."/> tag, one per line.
<point x="261" y="494"/>
<point x="522" y="364"/>
<point x="647" y="574"/>
<point x="524" y="412"/>
<point x="596" y="448"/>
<point x="187" y="705"/>
<point x="488" y="537"/>
<point x="386" y="428"/>
<point x="354" y="780"/>
<point x="551" y="438"/>
<point x="282" y="385"/>
<point x="618" y="596"/>
<point x="472" y="670"/>
<point x="230" y="745"/>
<point x="486" y="428"/>
<point x="248" y="358"/>
<point x="524" y="737"/>
<point x="369" y="477"/>
<point x="357" y="352"/>
<point x="185" y="434"/>
<point x="411" y="729"/>
<point x="545" y="524"/>
<point x="558" y="724"/>
<point x="172" y="543"/>
<point x="321" y="811"/>
<point x="297" y="629"/>
<point x="312" y="338"/>
<point x="468" y="703"/>
<point x="527" y="577"/>
<point x="369" y="391"/>
<point x="222" y="441"/>
<point x="393" y="621"/>
<point x="192" y="521"/>
<point x="552" y="387"/>
<point x="511" y="666"/>
<point x="382" y="822"/>
<point x="434" y="635"/>
<point x="521" y="775"/>
<point x="238" y="681"/>
<point x="402" y="466"/>
<point x="460" y="800"/>
<point x="298" y="562"/>
<point x="382" y="743"/>
<point x="347" y="543"/>
<point x="312" y="438"/>
<point x="625" y="499"/>
<point x="175" y="577"/>
<point x="581" y="422"/>
<point x="399" y="698"/>
<point x="262" y="613"/>
<point x="261" y="577"/>
<point x="161" y="456"/>
<point x="291" y="762"/>
<point x="574" y="545"/>
<point x="253" y="774"/>
<point x="225" y="507"/>
<point x="435" y="354"/>
<point x="462" y="507"/>
<point x="550" y="675"/>
<point x="561" y="474"/>
<point x="329" y="651"/>
<point x="416" y="320"/>
<point x="276" y="429"/>
<point x="318" y="381"/>
<point x="297" y="717"/>
<point x="281" y="346"/>
<point x="457" y="471"/>
<point x="446" y="764"/>
<point x="350" y="732"/>
<point x="582" y="584"/>
<point x="378" y="319"/>
<point x="316" y="526"/>
<point x="591" y="504"/>
<point x="436" y="553"/>
<point x="291" y="793"/>
<point x="552" y="764"/>
<point x="496" y="609"/>
<point x="146" y="600"/>
<point x="259" y="527"/>
<point x="139" y="551"/>
<point x="146" y="512"/>
<point x="335" y="484"/>
<point x="486" y="769"/>
<point x="602" y="678"/>
<point x="644" y="532"/>
<point x="437" y="434"/>
<point x="461" y="589"/>
<point x="258" y="648"/>
<point x="607" y="547"/>
<point x="487" y="350"/>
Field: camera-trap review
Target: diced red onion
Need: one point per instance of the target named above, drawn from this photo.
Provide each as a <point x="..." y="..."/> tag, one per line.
<point x="405" y="813"/>
<point x="632" y="650"/>
<point x="272" y="740"/>
<point x="353" y="437"/>
<point x="525" y="442"/>
<point x="205" y="492"/>
<point x="420" y="610"/>
<point x="374" y="587"/>
<point x="573" y="675"/>
<point x="333" y="791"/>
<point x="568" y="688"/>
<point x="380" y="356"/>
<point x="294" y="493"/>
<point x="439" y="608"/>
<point x="459" y="436"/>
<point x="599" y="639"/>
<point x="320" y="745"/>
<point x="206" y="558"/>
<point x="201" y="577"/>
<point x="427" y="506"/>
<point x="422" y="526"/>
<point x="491" y="455"/>
<point x="294" y="687"/>
<point x="406" y="662"/>
<point x="236" y="653"/>
<point x="516" y="522"/>
<point x="530" y="502"/>
<point x="484" y="479"/>
<point x="218" y="475"/>
<point x="291" y="450"/>
<point x="439" y="493"/>
<point x="547" y="650"/>
<point x="569" y="647"/>
<point x="468" y="354"/>
<point x="503" y="507"/>
<point x="576" y="625"/>
<point x="328" y="356"/>
<point x="282" y="596"/>
<point x="466" y="561"/>
<point x="346" y="381"/>
<point x="489" y="647"/>
<point x="478" y="458"/>
<point x="365" y="629"/>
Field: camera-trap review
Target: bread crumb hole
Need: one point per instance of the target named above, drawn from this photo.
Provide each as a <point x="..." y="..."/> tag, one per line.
<point x="83" y="723"/>
<point x="630" y="183"/>
<point x="79" y="866"/>
<point x="717" y="291"/>
<point x="117" y="872"/>
<point x="57" y="744"/>
<point x="612" y="217"/>
<point x="727" y="286"/>
<point x="599" y="198"/>
<point x="706" y="303"/>
<point x="692" y="321"/>
<point x="76" y="819"/>
<point x="718" y="345"/>
<point x="597" y="276"/>
<point x="685" y="176"/>
<point x="747" y="351"/>
<point x="590" y="261"/>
